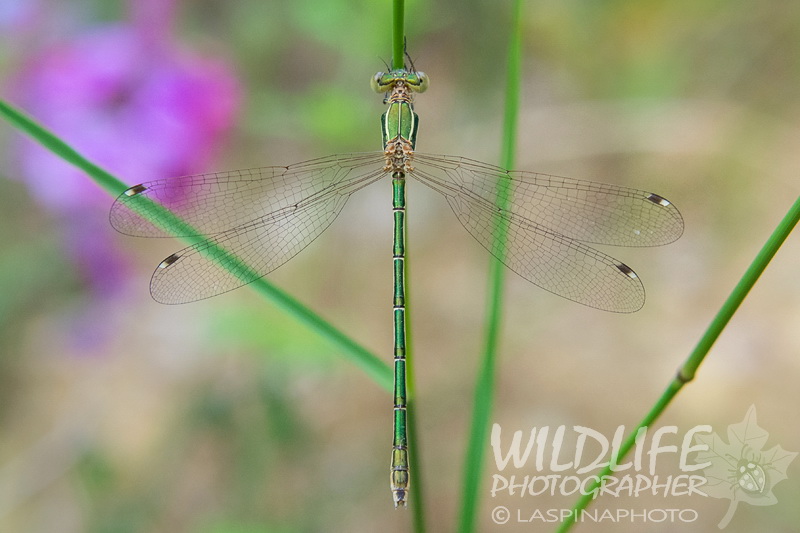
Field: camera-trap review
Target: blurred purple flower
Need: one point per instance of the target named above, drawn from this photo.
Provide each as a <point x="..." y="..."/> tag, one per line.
<point x="17" y="16"/>
<point x="141" y="116"/>
<point x="129" y="99"/>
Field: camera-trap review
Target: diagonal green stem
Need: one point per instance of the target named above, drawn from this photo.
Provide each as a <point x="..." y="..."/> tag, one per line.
<point x="484" y="387"/>
<point x="48" y="139"/>
<point x="749" y="278"/>
<point x="689" y="368"/>
<point x="368" y="362"/>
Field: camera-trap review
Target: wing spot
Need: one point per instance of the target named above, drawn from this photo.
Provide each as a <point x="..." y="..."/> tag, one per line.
<point x="169" y="261"/>
<point x="625" y="269"/>
<point x="136" y="189"/>
<point x="658" y="200"/>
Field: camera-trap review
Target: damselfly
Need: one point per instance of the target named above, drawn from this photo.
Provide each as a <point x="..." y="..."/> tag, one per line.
<point x="540" y="226"/>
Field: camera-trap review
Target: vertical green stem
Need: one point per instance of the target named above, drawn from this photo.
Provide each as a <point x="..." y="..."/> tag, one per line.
<point x="513" y="81"/>
<point x="484" y="388"/>
<point x="398" y="34"/>
<point x="408" y="417"/>
<point x="417" y="497"/>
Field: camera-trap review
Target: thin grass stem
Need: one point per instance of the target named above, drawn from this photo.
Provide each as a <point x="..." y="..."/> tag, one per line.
<point x="398" y="34"/>
<point x="371" y="364"/>
<point x="689" y="368"/>
<point x="485" y="383"/>
<point x="415" y="452"/>
<point x="417" y="493"/>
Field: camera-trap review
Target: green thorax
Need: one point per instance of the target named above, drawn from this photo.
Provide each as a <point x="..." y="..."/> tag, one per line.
<point x="399" y="122"/>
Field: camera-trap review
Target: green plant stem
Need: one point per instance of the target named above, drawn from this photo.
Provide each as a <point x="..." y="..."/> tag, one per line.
<point x="688" y="370"/>
<point x="398" y="34"/>
<point x="484" y="387"/>
<point x="415" y="463"/>
<point x="367" y="361"/>
<point x="415" y="451"/>
<point x="46" y="138"/>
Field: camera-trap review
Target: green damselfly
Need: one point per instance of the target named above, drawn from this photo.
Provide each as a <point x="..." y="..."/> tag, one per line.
<point x="540" y="226"/>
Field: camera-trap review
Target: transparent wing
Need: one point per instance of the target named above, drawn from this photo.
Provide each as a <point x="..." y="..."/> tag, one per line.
<point x="208" y="204"/>
<point x="543" y="221"/>
<point x="256" y="219"/>
<point x="585" y="211"/>
<point x="552" y="261"/>
<point x="243" y="254"/>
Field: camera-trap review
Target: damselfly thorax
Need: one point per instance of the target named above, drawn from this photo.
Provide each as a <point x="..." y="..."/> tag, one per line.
<point x="399" y="124"/>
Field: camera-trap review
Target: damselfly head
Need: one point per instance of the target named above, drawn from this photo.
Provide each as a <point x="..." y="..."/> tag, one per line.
<point x="384" y="81"/>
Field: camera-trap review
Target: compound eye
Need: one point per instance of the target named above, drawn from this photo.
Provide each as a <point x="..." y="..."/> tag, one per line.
<point x="417" y="81"/>
<point x="424" y="82"/>
<point x="381" y="82"/>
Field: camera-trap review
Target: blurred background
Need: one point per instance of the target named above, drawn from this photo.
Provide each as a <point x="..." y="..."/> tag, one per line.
<point x="118" y="414"/>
